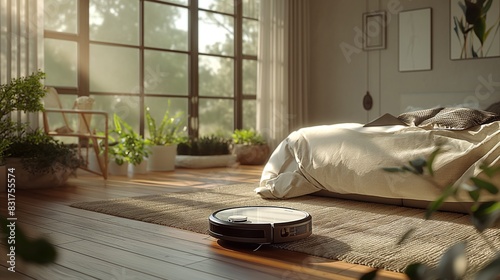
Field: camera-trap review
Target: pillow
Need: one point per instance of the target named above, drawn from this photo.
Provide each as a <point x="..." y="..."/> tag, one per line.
<point x="494" y="108"/>
<point x="448" y="118"/>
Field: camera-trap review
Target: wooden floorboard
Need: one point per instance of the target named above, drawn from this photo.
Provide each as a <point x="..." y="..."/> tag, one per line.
<point x="92" y="245"/>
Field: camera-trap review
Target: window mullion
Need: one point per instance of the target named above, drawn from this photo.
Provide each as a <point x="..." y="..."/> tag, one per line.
<point x="83" y="49"/>
<point x="238" y="65"/>
<point x="193" y="94"/>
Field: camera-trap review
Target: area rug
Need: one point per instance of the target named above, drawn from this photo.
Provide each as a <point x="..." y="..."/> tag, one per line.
<point x="351" y="231"/>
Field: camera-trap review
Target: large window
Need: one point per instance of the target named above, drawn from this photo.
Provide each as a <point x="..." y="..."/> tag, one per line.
<point x="199" y="56"/>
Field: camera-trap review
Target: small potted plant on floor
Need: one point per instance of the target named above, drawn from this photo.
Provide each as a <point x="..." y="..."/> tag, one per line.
<point x="250" y="147"/>
<point x="129" y="146"/>
<point x="162" y="140"/>
<point x="117" y="153"/>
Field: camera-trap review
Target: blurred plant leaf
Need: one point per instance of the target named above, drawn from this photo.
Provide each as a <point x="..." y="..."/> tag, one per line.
<point x="418" y="165"/>
<point x="393" y="169"/>
<point x="485" y="215"/>
<point x="419" y="271"/>
<point x="436" y="204"/>
<point x="482" y="184"/>
<point x="453" y="263"/>
<point x="37" y="251"/>
<point x="474" y="194"/>
<point x="491" y="270"/>
<point x="490" y="171"/>
<point x="431" y="159"/>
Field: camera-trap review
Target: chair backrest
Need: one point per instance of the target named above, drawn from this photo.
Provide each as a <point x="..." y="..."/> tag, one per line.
<point x="52" y="101"/>
<point x="84" y="103"/>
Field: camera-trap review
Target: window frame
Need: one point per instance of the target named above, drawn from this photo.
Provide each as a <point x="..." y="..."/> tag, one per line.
<point x="82" y="39"/>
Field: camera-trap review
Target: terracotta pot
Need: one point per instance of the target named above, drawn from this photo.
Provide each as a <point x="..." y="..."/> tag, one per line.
<point x="251" y="154"/>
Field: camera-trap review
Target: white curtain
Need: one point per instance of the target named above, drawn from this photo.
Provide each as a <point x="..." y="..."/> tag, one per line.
<point x="283" y="68"/>
<point x="21" y="44"/>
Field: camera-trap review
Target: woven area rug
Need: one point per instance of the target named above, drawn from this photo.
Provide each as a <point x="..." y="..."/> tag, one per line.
<point x="351" y="231"/>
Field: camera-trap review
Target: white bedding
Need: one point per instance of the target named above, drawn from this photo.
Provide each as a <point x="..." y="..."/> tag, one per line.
<point x="348" y="159"/>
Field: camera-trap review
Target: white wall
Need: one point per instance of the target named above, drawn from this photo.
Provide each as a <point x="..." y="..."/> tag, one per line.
<point x="338" y="64"/>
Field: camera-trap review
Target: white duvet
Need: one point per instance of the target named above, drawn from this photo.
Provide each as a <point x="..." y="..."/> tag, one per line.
<point x="348" y="159"/>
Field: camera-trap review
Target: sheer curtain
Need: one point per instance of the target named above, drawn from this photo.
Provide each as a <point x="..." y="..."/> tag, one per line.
<point x="283" y="68"/>
<point x="21" y="42"/>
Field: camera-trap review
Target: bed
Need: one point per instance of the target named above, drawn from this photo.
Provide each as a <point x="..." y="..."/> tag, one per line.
<point x="345" y="160"/>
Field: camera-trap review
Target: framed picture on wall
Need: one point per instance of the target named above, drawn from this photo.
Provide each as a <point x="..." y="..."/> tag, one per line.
<point x="374" y="26"/>
<point x="415" y="40"/>
<point x="478" y="34"/>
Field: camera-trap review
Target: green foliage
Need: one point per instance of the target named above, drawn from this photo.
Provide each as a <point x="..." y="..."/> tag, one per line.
<point x="42" y="154"/>
<point x="128" y="146"/>
<point x="168" y="130"/>
<point x="21" y="94"/>
<point x="248" y="137"/>
<point x="204" y="146"/>
<point x="484" y="215"/>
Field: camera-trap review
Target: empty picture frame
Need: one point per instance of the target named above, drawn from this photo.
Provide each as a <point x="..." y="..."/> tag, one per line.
<point x="374" y="25"/>
<point x="415" y="46"/>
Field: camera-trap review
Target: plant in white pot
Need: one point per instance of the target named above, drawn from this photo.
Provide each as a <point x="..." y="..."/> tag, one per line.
<point x="129" y="147"/>
<point x="117" y="153"/>
<point x="163" y="140"/>
<point x="250" y="147"/>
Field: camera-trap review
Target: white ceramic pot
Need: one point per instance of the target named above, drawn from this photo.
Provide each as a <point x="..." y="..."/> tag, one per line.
<point x="119" y="170"/>
<point x="138" y="169"/>
<point x="162" y="158"/>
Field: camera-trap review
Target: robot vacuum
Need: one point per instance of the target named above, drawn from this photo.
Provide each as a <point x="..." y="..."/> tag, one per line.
<point x="260" y="224"/>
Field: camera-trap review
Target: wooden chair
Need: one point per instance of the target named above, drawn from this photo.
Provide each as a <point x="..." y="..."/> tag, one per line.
<point x="77" y="123"/>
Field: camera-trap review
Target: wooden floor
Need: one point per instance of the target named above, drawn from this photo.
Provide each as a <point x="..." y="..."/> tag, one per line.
<point x="98" y="246"/>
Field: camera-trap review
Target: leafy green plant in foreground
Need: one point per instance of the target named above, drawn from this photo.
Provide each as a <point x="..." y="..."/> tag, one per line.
<point x="484" y="215"/>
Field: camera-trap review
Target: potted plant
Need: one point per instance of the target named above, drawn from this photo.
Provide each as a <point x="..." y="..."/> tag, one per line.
<point x="117" y="153"/>
<point x="250" y="147"/>
<point x="162" y="140"/>
<point x="130" y="146"/>
<point x="39" y="160"/>
<point x="204" y="152"/>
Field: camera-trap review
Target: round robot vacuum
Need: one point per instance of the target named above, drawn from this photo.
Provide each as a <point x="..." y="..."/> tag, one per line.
<point x="260" y="224"/>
